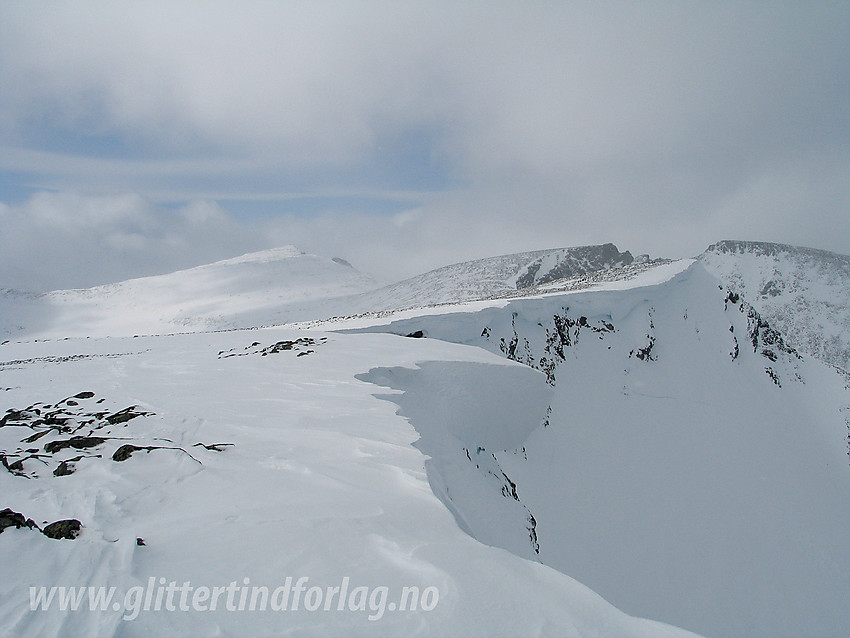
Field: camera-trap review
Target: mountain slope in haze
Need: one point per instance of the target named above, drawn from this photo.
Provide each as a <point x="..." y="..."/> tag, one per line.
<point x="285" y="285"/>
<point x="502" y="276"/>
<point x="801" y="291"/>
<point x="240" y="292"/>
<point x="686" y="463"/>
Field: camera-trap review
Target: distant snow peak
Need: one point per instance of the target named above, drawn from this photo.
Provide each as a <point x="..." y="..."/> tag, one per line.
<point x="570" y="262"/>
<point x="265" y="256"/>
<point x="507" y="276"/>
<point x="769" y="249"/>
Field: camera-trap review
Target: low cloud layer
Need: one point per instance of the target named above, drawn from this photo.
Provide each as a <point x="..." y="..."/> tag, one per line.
<point x="472" y="129"/>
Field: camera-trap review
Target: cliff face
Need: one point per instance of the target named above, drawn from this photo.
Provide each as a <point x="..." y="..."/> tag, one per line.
<point x="803" y="292"/>
<point x="684" y="463"/>
<point x="571" y="262"/>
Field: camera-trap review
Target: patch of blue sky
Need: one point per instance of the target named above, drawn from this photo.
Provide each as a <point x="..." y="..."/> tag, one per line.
<point x="413" y="159"/>
<point x="398" y="172"/>
<point x="312" y="206"/>
<point x="14" y="188"/>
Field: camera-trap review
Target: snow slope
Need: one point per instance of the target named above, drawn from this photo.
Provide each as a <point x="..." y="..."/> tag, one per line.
<point x="250" y="290"/>
<point x="307" y="475"/>
<point x="802" y="291"/>
<point x="688" y="465"/>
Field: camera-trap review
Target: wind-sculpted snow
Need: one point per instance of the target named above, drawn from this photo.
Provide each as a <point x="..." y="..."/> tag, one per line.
<point x="690" y="465"/>
<point x="803" y="292"/>
<point x="641" y="427"/>
<point x="202" y="467"/>
<point x="465" y="413"/>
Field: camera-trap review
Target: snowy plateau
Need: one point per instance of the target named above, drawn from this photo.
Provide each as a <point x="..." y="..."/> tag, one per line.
<point x="571" y="442"/>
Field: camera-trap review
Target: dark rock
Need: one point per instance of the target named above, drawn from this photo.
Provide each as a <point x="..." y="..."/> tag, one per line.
<point x="66" y="467"/>
<point x="8" y="518"/>
<point x="5" y="464"/>
<point x="76" y="442"/>
<point x="84" y="395"/>
<point x="122" y="416"/>
<point x="416" y="335"/>
<point x="69" y="528"/>
<point x="125" y="452"/>
<point x="215" y="447"/>
<point x="17" y="415"/>
<point x="140" y="542"/>
<point x="573" y="262"/>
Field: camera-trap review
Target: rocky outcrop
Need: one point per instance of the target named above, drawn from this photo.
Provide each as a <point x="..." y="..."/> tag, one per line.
<point x="571" y="262"/>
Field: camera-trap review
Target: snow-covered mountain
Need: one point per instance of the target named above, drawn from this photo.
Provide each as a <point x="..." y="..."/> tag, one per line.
<point x="570" y="262"/>
<point x="285" y="285"/>
<point x="503" y="276"/>
<point x="802" y="291"/>
<point x="637" y="425"/>
<point x="250" y="290"/>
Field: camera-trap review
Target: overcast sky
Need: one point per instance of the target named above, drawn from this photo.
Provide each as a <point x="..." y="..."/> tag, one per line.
<point x="139" y="138"/>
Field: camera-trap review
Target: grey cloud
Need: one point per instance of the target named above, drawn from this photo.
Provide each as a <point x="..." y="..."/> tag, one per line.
<point x="661" y="126"/>
<point x="73" y="241"/>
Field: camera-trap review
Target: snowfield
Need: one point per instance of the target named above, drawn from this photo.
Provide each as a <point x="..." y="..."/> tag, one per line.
<point x="640" y="428"/>
<point x="321" y="480"/>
